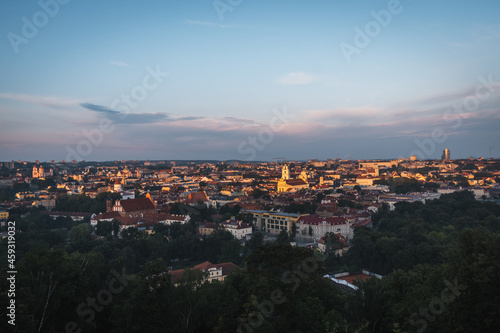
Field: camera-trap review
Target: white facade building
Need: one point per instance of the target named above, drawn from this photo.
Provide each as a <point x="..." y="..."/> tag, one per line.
<point x="238" y="229"/>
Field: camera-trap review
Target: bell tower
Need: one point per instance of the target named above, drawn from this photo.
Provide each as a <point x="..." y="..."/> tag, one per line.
<point x="285" y="172"/>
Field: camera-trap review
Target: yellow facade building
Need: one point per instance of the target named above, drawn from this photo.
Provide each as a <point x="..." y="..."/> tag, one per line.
<point x="273" y="222"/>
<point x="285" y="184"/>
<point x="4" y="214"/>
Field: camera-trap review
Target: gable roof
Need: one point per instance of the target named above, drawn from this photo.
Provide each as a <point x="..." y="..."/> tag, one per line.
<point x="175" y="217"/>
<point x="106" y="215"/>
<point x="194" y="197"/>
<point x="295" y="182"/>
<point x="227" y="267"/>
<point x="142" y="219"/>
<point x="134" y="205"/>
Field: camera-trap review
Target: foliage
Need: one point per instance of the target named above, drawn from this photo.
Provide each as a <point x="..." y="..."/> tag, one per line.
<point x="446" y="251"/>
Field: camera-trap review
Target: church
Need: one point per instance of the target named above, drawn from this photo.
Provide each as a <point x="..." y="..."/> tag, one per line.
<point x="40" y="173"/>
<point x="285" y="184"/>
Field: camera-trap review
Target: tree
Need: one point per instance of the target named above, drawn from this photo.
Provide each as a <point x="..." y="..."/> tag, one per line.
<point x="319" y="197"/>
<point x="103" y="228"/>
<point x="288" y="282"/>
<point x="332" y="243"/>
<point x="283" y="237"/>
<point x="294" y="232"/>
<point x="474" y="265"/>
<point x="258" y="193"/>
<point x="116" y="227"/>
<point x="80" y="233"/>
<point x="231" y="251"/>
<point x="256" y="241"/>
<point x="51" y="286"/>
<point x="131" y="233"/>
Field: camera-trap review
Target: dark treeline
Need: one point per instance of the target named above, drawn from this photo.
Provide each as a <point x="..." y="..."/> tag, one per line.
<point x="440" y="262"/>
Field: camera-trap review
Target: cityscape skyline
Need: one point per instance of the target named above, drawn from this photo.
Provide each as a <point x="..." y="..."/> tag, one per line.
<point x="249" y="81"/>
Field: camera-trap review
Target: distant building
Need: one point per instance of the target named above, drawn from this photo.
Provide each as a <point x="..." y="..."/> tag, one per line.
<point x="338" y="248"/>
<point x="214" y="271"/>
<point x="41" y="173"/>
<point x="117" y="186"/>
<point x="446" y="155"/>
<point x="175" y="218"/>
<point x="134" y="206"/>
<point x="314" y="227"/>
<point x="108" y="216"/>
<point x="206" y="228"/>
<point x="75" y="216"/>
<point x="4" y="214"/>
<point x="285" y="184"/>
<point x="348" y="279"/>
<point x="196" y="197"/>
<point x="49" y="204"/>
<point x="238" y="229"/>
<point x="273" y="222"/>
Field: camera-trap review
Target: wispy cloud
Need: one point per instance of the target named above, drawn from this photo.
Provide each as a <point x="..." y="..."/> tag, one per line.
<point x="346" y="114"/>
<point x="296" y="78"/>
<point x="210" y="24"/>
<point x="47" y="101"/>
<point x="125" y="118"/>
<point x="119" y="63"/>
<point x="99" y="108"/>
<point x="120" y="117"/>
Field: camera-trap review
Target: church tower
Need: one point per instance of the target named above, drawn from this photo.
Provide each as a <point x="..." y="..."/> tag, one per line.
<point x="109" y="205"/>
<point x="285" y="172"/>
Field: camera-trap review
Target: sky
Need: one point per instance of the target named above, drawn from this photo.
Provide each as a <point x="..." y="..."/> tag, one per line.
<point x="248" y="80"/>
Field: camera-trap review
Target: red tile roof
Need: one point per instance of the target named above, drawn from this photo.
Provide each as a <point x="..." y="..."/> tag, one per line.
<point x="204" y="266"/>
<point x="355" y="277"/>
<point x="227" y="267"/>
<point x="194" y="197"/>
<point x="139" y="204"/>
<point x="142" y="219"/>
<point x="175" y="217"/>
<point x="106" y="215"/>
<point x="316" y="220"/>
<point x="295" y="182"/>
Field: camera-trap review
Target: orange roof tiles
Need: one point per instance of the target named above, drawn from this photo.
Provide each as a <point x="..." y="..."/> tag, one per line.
<point x="139" y="204"/>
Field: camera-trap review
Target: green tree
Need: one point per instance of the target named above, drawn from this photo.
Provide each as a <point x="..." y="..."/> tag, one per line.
<point x="256" y="241"/>
<point x="283" y="237"/>
<point x="103" y="228"/>
<point x="80" y="233"/>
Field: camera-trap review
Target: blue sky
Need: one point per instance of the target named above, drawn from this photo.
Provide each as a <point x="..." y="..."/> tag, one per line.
<point x="421" y="78"/>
